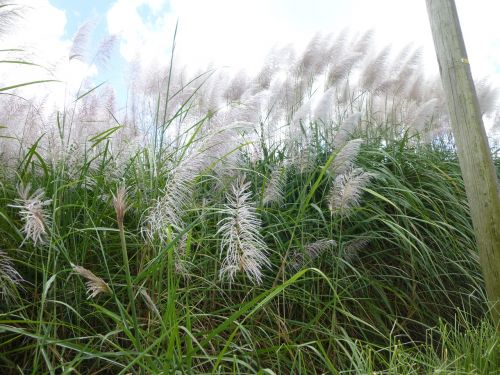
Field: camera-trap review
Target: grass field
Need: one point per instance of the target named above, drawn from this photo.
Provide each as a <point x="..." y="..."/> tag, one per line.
<point x="312" y="222"/>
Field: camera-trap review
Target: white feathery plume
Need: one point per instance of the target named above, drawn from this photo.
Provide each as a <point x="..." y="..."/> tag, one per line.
<point x="424" y="114"/>
<point x="299" y="157"/>
<point x="301" y="116"/>
<point x="241" y="241"/>
<point x="379" y="109"/>
<point x="236" y="87"/>
<point x="9" y="277"/>
<point x="344" y="159"/>
<point x="246" y="111"/>
<point x="168" y="209"/>
<point x="271" y="65"/>
<point x="345" y="95"/>
<point x="352" y="248"/>
<point x="337" y="46"/>
<point x="375" y="69"/>
<point x="180" y="263"/>
<point x="288" y="95"/>
<point x="323" y="110"/>
<point x="400" y="59"/>
<point x="346" y="129"/>
<point x="404" y="76"/>
<point x="120" y="203"/>
<point x="397" y="66"/>
<point x="311" y="52"/>
<point x="222" y="151"/>
<point x="415" y="87"/>
<point x="105" y="50"/>
<point x="345" y="194"/>
<point x="273" y="193"/>
<point x="302" y="159"/>
<point x="311" y="251"/>
<point x="33" y="213"/>
<point x="313" y="60"/>
<point x="487" y="95"/>
<point x="80" y="41"/>
<point x="211" y="98"/>
<point x="297" y="140"/>
<point x="218" y="151"/>
<point x="9" y="12"/>
<point x="495" y="129"/>
<point x="342" y="68"/>
<point x="315" y="249"/>
<point x="95" y="285"/>
<point x="364" y="41"/>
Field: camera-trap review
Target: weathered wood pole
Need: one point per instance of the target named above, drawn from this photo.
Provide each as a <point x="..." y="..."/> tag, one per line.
<point x="474" y="155"/>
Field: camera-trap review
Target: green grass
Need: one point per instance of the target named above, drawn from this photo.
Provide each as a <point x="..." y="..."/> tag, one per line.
<point x="410" y="301"/>
<point x="372" y="270"/>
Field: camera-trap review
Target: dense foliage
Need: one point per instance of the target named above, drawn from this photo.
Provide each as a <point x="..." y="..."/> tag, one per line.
<point x="244" y="225"/>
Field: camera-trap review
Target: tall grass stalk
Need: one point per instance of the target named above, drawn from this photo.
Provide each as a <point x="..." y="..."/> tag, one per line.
<point x="120" y="205"/>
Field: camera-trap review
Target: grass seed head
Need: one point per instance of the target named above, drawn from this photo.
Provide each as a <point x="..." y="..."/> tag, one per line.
<point x="95" y="285"/>
<point x="10" y="279"/>
<point x="345" y="194"/>
<point x="344" y="159"/>
<point x="241" y="240"/>
<point x="33" y="213"/>
<point x="120" y="203"/>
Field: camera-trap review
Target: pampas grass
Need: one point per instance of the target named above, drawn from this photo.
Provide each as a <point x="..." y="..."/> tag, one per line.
<point x="95" y="285"/>
<point x="345" y="194"/>
<point x="242" y="245"/>
<point x="274" y="191"/>
<point x="33" y="212"/>
<point x="315" y="168"/>
<point x="9" y="13"/>
<point x="10" y="279"/>
<point x="344" y="160"/>
<point x="346" y="130"/>
<point x="311" y="251"/>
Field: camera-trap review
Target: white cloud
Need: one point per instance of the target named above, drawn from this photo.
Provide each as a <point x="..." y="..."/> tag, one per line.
<point x="479" y="21"/>
<point x="40" y="31"/>
<point x="139" y="38"/>
<point x="227" y="32"/>
<point x="239" y="33"/>
<point x="223" y="32"/>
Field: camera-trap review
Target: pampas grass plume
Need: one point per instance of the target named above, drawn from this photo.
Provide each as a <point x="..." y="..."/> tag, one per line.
<point x="311" y="251"/>
<point x="345" y="157"/>
<point x="239" y="230"/>
<point x="345" y="194"/>
<point x="346" y="129"/>
<point x="95" y="285"/>
<point x="33" y="213"/>
<point x="9" y="277"/>
<point x="273" y="192"/>
<point x="120" y="204"/>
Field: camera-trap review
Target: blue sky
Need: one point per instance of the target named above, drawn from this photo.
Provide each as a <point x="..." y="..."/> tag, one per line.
<point x="78" y="12"/>
<point x="239" y="33"/>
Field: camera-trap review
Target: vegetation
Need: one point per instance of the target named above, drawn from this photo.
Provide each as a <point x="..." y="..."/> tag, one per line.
<point x="244" y="225"/>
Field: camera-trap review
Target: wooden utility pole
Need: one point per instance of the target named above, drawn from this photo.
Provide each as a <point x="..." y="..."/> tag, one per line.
<point x="474" y="155"/>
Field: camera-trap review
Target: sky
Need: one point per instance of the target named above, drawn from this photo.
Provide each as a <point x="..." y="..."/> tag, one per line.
<point x="223" y="33"/>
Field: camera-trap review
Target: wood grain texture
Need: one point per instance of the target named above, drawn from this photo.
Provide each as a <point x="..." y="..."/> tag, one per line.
<point x="473" y="151"/>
